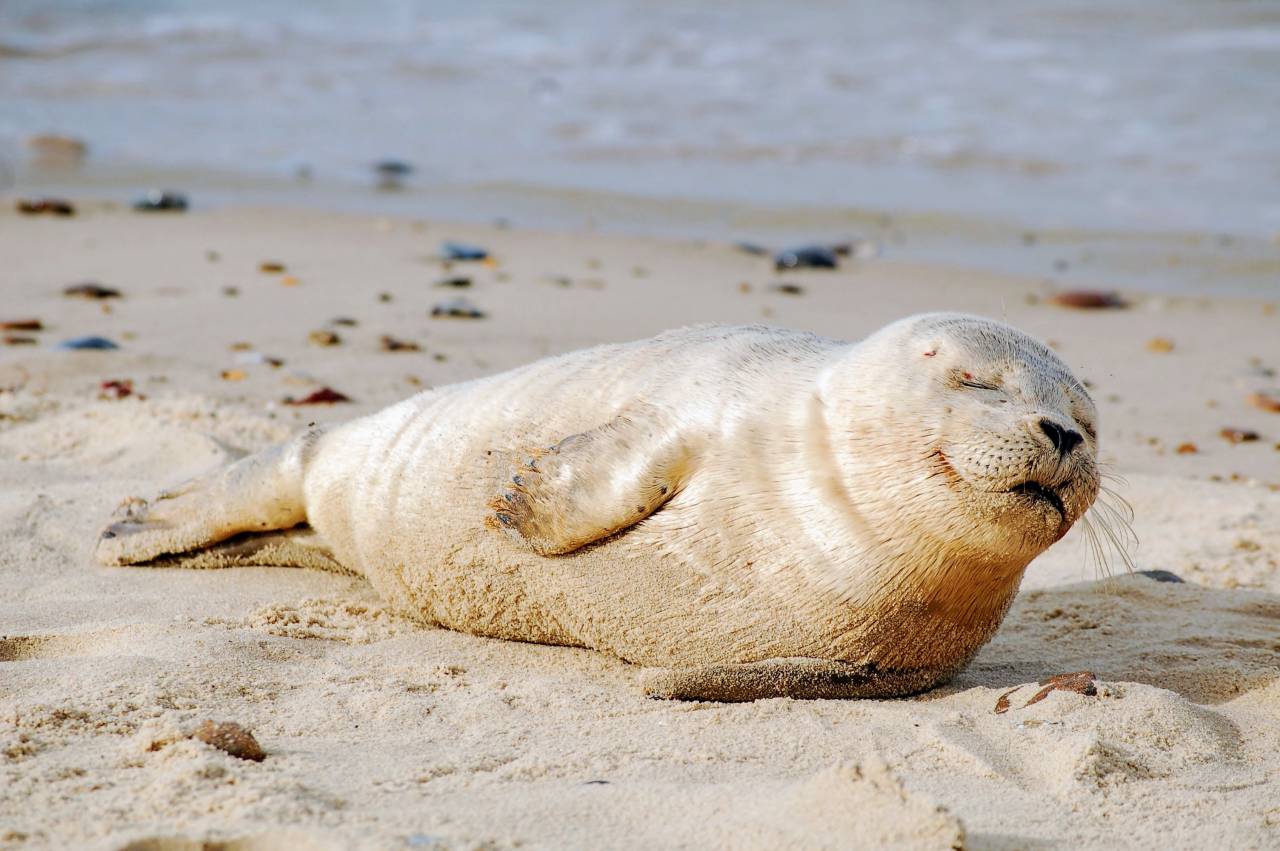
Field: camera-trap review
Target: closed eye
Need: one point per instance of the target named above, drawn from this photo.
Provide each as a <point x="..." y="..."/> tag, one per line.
<point x="966" y="379"/>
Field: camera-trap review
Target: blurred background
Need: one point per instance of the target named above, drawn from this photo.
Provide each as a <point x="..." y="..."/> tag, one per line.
<point x="1073" y="138"/>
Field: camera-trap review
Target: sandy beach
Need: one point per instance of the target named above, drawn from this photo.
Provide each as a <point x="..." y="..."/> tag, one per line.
<point x="380" y="733"/>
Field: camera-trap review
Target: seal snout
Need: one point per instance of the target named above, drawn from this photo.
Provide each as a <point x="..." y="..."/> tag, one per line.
<point x="1063" y="439"/>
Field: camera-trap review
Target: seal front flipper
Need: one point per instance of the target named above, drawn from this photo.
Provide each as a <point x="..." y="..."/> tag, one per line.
<point x="799" y="678"/>
<point x="593" y="484"/>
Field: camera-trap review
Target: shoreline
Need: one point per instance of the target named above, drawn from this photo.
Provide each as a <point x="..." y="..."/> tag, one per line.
<point x="1168" y="262"/>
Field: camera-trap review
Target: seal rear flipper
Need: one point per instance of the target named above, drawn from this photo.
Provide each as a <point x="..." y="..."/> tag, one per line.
<point x="799" y="678"/>
<point x="260" y="493"/>
<point x="593" y="484"/>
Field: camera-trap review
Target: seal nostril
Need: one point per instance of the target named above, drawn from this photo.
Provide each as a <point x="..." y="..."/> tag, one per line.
<point x="1063" y="439"/>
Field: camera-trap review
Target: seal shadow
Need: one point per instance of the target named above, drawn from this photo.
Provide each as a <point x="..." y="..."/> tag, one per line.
<point x="1209" y="645"/>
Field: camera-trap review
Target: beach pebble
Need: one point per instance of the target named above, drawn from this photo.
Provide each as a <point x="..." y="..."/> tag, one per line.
<point x="457" y="283"/>
<point x="1160" y="345"/>
<point x="324" y="338"/>
<point x="344" y="321"/>
<point x="462" y="251"/>
<point x="271" y="267"/>
<point x="231" y="292"/>
<point x="385" y="298"/>
<point x="230" y="738"/>
<point x="90" y="290"/>
<point x="323" y="396"/>
<point x="392" y="173"/>
<point x="1266" y="400"/>
<point x="161" y="201"/>
<point x="86" y="343"/>
<point x="1187" y="448"/>
<point x="121" y="388"/>
<point x="390" y="344"/>
<point x="1087" y="299"/>
<point x="57" y="149"/>
<point x="1238" y="435"/>
<point x="45" y="206"/>
<point x="807" y="256"/>
<point x="18" y="340"/>
<point x="457" y="308"/>
<point x="1080" y="682"/>
<point x="21" y="325"/>
<point x="788" y="289"/>
<point x="1159" y="575"/>
<point x="234" y="375"/>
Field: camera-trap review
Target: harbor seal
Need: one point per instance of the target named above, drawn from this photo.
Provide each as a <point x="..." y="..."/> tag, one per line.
<point x="749" y="511"/>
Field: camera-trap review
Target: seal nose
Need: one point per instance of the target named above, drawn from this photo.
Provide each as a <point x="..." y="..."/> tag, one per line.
<point x="1063" y="439"/>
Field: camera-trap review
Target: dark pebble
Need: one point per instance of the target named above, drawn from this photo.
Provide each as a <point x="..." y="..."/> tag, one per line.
<point x="1088" y="300"/>
<point x="90" y="290"/>
<point x="457" y="308"/>
<point x="18" y="340"/>
<point x="393" y="168"/>
<point x="462" y="251"/>
<point x="41" y="206"/>
<point x="752" y="248"/>
<point x="457" y="283"/>
<point x="1160" y="575"/>
<point x="788" y="289"/>
<point x="323" y="396"/>
<point x="86" y="343"/>
<point x="807" y="257"/>
<point x="21" y="325"/>
<point x="344" y="321"/>
<point x="390" y="344"/>
<point x="158" y="201"/>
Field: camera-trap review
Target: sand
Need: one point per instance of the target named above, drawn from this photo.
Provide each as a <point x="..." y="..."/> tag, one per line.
<point x="382" y="734"/>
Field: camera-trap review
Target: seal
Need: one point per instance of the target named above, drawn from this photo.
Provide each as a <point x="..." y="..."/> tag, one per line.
<point x="749" y="511"/>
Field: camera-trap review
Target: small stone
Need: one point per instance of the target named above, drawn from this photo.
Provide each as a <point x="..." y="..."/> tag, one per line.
<point x="1266" y="400"/>
<point x="457" y="283"/>
<point x="462" y="251"/>
<point x="1160" y="575"/>
<point x="324" y="338"/>
<point x="458" y="308"/>
<point x="751" y="248"/>
<point x="344" y="321"/>
<point x="390" y="344"/>
<point x="788" y="289"/>
<point x="234" y="375"/>
<point x="91" y="342"/>
<point x="231" y="292"/>
<point x="90" y="290"/>
<point x="230" y="738"/>
<point x="45" y="206"/>
<point x="161" y="201"/>
<point x="1088" y="300"/>
<point x="1160" y="345"/>
<point x="323" y="396"/>
<point x="1187" y="448"/>
<point x="385" y="298"/>
<point x="289" y="281"/>
<point x="115" y="389"/>
<point x="1238" y="435"/>
<point x="21" y="325"/>
<point x="18" y="340"/>
<point x="271" y="267"/>
<point x="807" y="256"/>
